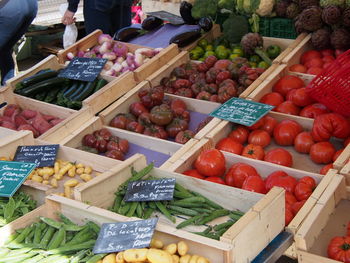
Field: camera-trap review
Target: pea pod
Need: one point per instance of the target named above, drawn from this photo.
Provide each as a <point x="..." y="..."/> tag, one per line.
<point x="51" y="222"/>
<point x="132" y="209"/>
<point x="96" y="258"/>
<point x="82" y="237"/>
<point x="164" y="211"/>
<point x="37" y="233"/>
<point x="71" y="248"/>
<point x="20" y="238"/>
<point x="57" y="239"/>
<point x="47" y="237"/>
<point x="182" y="210"/>
<point x="212" y="216"/>
<point x="225" y="225"/>
<point x="190" y="221"/>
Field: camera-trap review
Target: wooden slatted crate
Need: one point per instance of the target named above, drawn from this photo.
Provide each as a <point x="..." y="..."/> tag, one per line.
<point x="263" y="219"/>
<point x="327" y="219"/>
<point x="198" y="108"/>
<point x="343" y="164"/>
<point x="115" y="88"/>
<point x="38" y="191"/>
<point x="140" y="73"/>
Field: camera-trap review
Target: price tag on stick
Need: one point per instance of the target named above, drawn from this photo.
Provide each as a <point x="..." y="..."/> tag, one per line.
<point x="150" y="190"/>
<point x="115" y="237"/>
<point x="12" y="176"/>
<point x="41" y="155"/>
<point x="85" y="69"/>
<point x="241" y="111"/>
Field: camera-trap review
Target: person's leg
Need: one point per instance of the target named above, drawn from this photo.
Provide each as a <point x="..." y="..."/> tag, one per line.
<point x="120" y="16"/>
<point x="95" y="19"/>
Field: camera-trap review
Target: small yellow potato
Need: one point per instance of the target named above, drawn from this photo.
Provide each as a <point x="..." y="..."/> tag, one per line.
<point x="79" y="171"/>
<point x="156" y="243"/>
<point x="182" y="248"/>
<point x="185" y="259"/>
<point x="58" y="176"/>
<point x="79" y="165"/>
<point x="176" y="258"/>
<point x="46" y="177"/>
<point x="54" y="182"/>
<point x="135" y="255"/>
<point x="194" y="259"/>
<point x="71" y="171"/>
<point x="46" y="182"/>
<point x="37" y="178"/>
<point x="159" y="256"/>
<point x="67" y="191"/>
<point x="171" y="248"/>
<point x="119" y="258"/>
<point x="56" y="167"/>
<point x="71" y="183"/>
<point x="88" y="170"/>
<point x="202" y="260"/>
<point x="110" y="258"/>
<point x="86" y="177"/>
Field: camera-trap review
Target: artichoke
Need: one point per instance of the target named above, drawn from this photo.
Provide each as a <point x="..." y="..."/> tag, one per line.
<point x="331" y="14"/>
<point x="346" y="17"/>
<point x="292" y="11"/>
<point x="307" y="3"/>
<point x="298" y="26"/>
<point x="340" y="39"/>
<point x="281" y="7"/>
<point x="252" y="43"/>
<point x="321" y="39"/>
<point x="311" y="18"/>
<point x="324" y="3"/>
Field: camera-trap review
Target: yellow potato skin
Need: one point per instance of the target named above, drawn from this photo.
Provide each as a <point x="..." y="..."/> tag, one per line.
<point x="182" y="248"/>
<point x="136" y="255"/>
<point x="159" y="256"/>
<point x="110" y="258"/>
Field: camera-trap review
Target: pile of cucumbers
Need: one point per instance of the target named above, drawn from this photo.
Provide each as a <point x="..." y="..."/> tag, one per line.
<point x="48" y="87"/>
<point x="194" y="207"/>
<point x="49" y="241"/>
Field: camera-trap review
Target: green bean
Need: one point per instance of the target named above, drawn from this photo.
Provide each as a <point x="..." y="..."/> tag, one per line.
<point x="225" y="225"/>
<point x="212" y="216"/>
<point x="202" y="210"/>
<point x="182" y="210"/>
<point x="189" y="221"/>
<point x="235" y="217"/>
<point x="165" y="212"/>
<point x="208" y="235"/>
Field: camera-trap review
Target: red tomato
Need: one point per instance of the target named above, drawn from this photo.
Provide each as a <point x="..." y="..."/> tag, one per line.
<point x="328" y="59"/>
<point x="253" y="151"/>
<point x="336" y="155"/>
<point x="259" y="137"/>
<point x="210" y="163"/>
<point x="339" y="249"/>
<point x="330" y="124"/>
<point x="298" y="68"/>
<point x="312" y="111"/>
<point x="299" y="97"/>
<point x="327" y="52"/>
<point x="279" y="156"/>
<point x="315" y="62"/>
<point x="310" y="54"/>
<point x="348" y="230"/>
<point x="215" y="179"/>
<point x="229" y="145"/>
<point x="269" y="125"/>
<point x="322" y="152"/>
<point x="314" y="70"/>
<point x="290" y="198"/>
<point x="325" y="65"/>
<point x="272" y="98"/>
<point x="240" y="134"/>
<point x="254" y="184"/>
<point x="346" y="142"/>
<point x="303" y="142"/>
<point x="281" y="179"/>
<point x="297" y="206"/>
<point x="286" y="131"/>
<point x="288" y="107"/>
<point x="325" y="168"/>
<point x="257" y="125"/>
<point x="302" y="191"/>
<point x="308" y="180"/>
<point x="288" y="216"/>
<point x="193" y="173"/>
<point x="286" y="83"/>
<point x="238" y="173"/>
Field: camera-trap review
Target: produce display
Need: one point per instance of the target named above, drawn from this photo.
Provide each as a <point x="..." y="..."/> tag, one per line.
<point x="339" y="247"/>
<point x="210" y="165"/>
<point x="120" y="58"/>
<point x="157" y="253"/>
<point x="197" y="209"/>
<point x="158" y="116"/>
<point x="48" y="87"/>
<point x="15" y="118"/>
<point x="313" y="62"/>
<point x="15" y="207"/>
<point x="251" y="141"/>
<point x="49" y="240"/>
<point x="103" y="142"/>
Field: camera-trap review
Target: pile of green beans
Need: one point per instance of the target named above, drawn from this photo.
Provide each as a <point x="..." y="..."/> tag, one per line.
<point x="198" y="209"/>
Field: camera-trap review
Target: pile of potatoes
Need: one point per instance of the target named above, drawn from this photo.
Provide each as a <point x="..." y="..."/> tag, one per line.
<point x="157" y="253"/>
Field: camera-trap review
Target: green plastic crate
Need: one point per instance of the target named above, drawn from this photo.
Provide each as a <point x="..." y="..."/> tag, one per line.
<point x="264" y="26"/>
<point x="282" y="28"/>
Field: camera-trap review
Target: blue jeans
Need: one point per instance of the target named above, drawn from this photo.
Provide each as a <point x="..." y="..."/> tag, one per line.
<point x="109" y="18"/>
<point x="15" y="18"/>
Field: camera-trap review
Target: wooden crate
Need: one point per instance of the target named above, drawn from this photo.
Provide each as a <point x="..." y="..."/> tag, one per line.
<point x="163" y="152"/>
<point x="199" y="107"/>
<point x="293" y="57"/>
<point x="4" y="132"/>
<point x="115" y="88"/>
<point x="343" y="162"/>
<point x="327" y="219"/>
<point x="38" y="191"/>
<point x="263" y="220"/>
<point x="140" y="73"/>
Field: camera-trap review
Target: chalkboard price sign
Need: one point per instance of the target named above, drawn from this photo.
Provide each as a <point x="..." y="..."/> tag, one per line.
<point x="85" y="69"/>
<point x="115" y="237"/>
<point x="12" y="176"/>
<point x="41" y="155"/>
<point x="150" y="190"/>
<point x="241" y="111"/>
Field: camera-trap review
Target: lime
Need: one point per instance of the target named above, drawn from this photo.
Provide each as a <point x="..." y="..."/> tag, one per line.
<point x="209" y="48"/>
<point x="254" y="58"/>
<point x="263" y="64"/>
<point x="203" y="43"/>
<point x="238" y="51"/>
<point x="222" y="54"/>
<point x="209" y="53"/>
<point x="252" y="64"/>
<point x="232" y="56"/>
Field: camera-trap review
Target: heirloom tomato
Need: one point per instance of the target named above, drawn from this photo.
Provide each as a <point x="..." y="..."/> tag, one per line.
<point x="336" y="155"/>
<point x="303" y="191"/>
<point x="215" y="179"/>
<point x="308" y="180"/>
<point x="253" y="151"/>
<point x="229" y="145"/>
<point x="299" y="97"/>
<point x="281" y="179"/>
<point x="279" y="156"/>
<point x="330" y="124"/>
<point x="326" y="168"/>
<point x="239" y="133"/>
<point x="238" y="173"/>
<point x="297" y="206"/>
<point x="193" y="173"/>
<point x="259" y="137"/>
<point x="322" y="152"/>
<point x="272" y="98"/>
<point x="286" y="131"/>
<point x="339" y="249"/>
<point x="210" y="163"/>
<point x="313" y="110"/>
<point x="288" y="107"/>
<point x="254" y="184"/>
<point x="303" y="142"/>
<point x="287" y="83"/>
<point x="269" y="125"/>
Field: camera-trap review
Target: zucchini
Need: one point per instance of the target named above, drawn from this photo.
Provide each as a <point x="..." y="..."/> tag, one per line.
<point x="38" y="77"/>
<point x="100" y="84"/>
<point x="52" y="95"/>
<point x="41" y="96"/>
<point x="44" y="86"/>
<point x="77" y="91"/>
<point x="86" y="92"/>
<point x="71" y="89"/>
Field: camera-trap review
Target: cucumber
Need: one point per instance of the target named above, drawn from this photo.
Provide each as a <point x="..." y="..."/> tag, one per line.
<point x="38" y="77"/>
<point x="86" y="92"/>
<point x="41" y="96"/>
<point x="44" y="86"/>
<point x="100" y="84"/>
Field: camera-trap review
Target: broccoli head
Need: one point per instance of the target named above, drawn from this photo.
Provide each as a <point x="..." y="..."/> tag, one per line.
<point x="204" y="8"/>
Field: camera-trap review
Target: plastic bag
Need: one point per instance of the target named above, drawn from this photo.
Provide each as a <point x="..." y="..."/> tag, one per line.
<point x="70" y="34"/>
